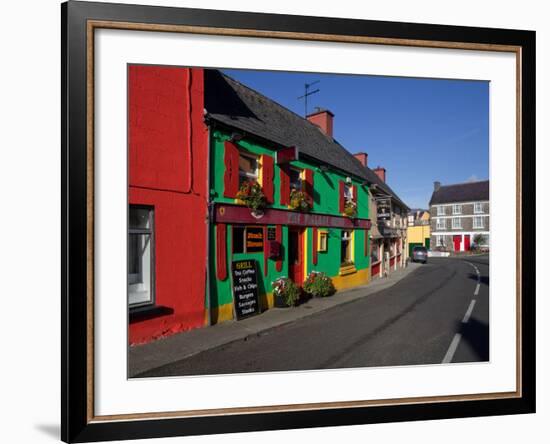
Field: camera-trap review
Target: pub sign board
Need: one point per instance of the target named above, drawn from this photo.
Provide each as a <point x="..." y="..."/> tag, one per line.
<point x="244" y="277"/>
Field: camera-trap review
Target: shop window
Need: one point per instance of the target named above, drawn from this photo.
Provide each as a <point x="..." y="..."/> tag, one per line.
<point x="295" y="177"/>
<point x="323" y="241"/>
<point x="238" y="240"/>
<point x="140" y="256"/>
<point x="248" y="167"/>
<point x="375" y="252"/>
<point x="248" y="239"/>
<point x="346" y="253"/>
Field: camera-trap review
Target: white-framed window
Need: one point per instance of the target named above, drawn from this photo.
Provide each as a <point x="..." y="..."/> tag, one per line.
<point x="248" y="167"/>
<point x="346" y="257"/>
<point x="440" y="224"/>
<point x="457" y="209"/>
<point x="478" y="207"/>
<point x="295" y="179"/>
<point x="348" y="191"/>
<point x="439" y="241"/>
<point x="322" y="244"/>
<point x="140" y="256"/>
<point x="441" y="210"/>
<point x="457" y="223"/>
<point x="478" y="222"/>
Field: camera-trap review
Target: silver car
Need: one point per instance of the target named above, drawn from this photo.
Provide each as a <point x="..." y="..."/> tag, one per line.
<point x="420" y="254"/>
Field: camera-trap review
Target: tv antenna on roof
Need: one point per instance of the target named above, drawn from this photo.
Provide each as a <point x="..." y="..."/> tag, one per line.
<point x="308" y="93"/>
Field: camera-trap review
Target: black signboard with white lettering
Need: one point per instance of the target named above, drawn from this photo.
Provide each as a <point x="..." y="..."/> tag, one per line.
<point x="383" y="207"/>
<point x="244" y="277"/>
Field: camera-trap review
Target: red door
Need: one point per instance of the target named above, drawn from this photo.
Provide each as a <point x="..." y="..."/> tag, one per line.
<point x="467" y="242"/>
<point x="457" y="238"/>
<point x="296" y="255"/>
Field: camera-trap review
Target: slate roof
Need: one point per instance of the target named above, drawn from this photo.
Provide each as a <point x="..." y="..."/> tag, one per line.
<point x="235" y="105"/>
<point x="461" y="192"/>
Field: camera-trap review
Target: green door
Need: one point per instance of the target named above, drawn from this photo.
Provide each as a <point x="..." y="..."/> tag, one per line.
<point x="427" y="242"/>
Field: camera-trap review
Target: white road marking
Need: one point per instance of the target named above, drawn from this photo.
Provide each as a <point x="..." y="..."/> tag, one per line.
<point x="452" y="348"/>
<point x="469" y="312"/>
<point x="457" y="337"/>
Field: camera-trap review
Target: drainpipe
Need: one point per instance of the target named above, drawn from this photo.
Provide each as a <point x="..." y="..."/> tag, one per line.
<point x="209" y="207"/>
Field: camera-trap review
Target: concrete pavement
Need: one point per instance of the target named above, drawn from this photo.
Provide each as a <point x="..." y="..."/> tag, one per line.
<point x="143" y="358"/>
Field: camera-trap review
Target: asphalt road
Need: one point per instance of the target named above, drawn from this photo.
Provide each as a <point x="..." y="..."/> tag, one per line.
<point x="436" y="314"/>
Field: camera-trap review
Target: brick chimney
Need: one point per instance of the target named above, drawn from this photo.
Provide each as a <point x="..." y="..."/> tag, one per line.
<point x="381" y="173"/>
<point x="437" y="186"/>
<point x="362" y="157"/>
<point x="323" y="119"/>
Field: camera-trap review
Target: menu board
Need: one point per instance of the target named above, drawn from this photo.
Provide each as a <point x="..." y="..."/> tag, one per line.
<point x="244" y="276"/>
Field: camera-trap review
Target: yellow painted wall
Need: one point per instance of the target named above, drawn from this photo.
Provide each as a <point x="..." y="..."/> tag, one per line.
<point x="418" y="234"/>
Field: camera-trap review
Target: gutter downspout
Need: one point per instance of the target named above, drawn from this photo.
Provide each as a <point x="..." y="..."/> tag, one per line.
<point x="208" y="301"/>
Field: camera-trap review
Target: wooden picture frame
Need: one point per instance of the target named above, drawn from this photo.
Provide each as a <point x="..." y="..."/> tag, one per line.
<point x="79" y="22"/>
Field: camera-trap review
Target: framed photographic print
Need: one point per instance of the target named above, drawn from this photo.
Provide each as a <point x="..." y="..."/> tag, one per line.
<point x="276" y="221"/>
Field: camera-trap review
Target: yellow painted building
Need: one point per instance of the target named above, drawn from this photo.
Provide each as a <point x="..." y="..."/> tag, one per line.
<point x="418" y="230"/>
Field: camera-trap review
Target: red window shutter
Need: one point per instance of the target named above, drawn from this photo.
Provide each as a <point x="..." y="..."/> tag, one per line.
<point x="314" y="246"/>
<point x="309" y="185"/>
<point x="366" y="242"/>
<point x="285" y="185"/>
<point x="267" y="177"/>
<point x="342" y="197"/>
<point x="266" y="250"/>
<point x="354" y="194"/>
<point x="279" y="238"/>
<point x="221" y="252"/>
<point x="231" y="175"/>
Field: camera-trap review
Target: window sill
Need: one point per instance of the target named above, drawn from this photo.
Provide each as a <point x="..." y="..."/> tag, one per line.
<point x="148" y="312"/>
<point x="347" y="269"/>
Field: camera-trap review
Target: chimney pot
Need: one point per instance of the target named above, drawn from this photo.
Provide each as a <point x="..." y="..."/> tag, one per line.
<point x="437" y="185"/>
<point x="323" y="119"/>
<point x="381" y="173"/>
<point x="362" y="157"/>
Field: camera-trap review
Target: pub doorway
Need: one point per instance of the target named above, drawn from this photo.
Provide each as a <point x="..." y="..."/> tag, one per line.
<point x="296" y="254"/>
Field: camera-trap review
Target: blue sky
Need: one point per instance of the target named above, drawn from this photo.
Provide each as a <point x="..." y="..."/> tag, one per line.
<point x="420" y="130"/>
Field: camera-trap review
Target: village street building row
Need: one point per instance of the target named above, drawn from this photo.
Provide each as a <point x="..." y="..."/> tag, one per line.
<point x="200" y="144"/>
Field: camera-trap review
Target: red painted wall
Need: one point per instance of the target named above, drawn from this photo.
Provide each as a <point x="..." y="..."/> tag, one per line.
<point x="168" y="149"/>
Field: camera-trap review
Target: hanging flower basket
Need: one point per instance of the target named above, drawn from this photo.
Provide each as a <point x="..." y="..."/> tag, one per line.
<point x="251" y="194"/>
<point x="300" y="201"/>
<point x="350" y="209"/>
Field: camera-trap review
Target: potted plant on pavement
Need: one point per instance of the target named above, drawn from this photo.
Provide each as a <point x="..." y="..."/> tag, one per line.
<point x="285" y="292"/>
<point x="251" y="194"/>
<point x="318" y="284"/>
